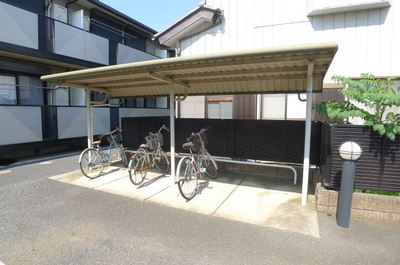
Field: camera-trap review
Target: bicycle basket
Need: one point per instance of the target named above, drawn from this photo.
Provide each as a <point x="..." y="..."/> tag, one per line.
<point x="160" y="138"/>
<point x="116" y="136"/>
<point x="197" y="142"/>
<point x="152" y="141"/>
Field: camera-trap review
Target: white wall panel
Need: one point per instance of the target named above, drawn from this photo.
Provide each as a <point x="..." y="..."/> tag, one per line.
<point x="18" y="26"/>
<point x="71" y="122"/>
<point x="129" y="55"/>
<point x="69" y="41"/>
<point x="96" y="48"/>
<point x="101" y="120"/>
<point x="77" y="43"/>
<point x="20" y="124"/>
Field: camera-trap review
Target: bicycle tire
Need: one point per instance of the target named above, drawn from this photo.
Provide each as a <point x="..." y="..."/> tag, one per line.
<point x="91" y="163"/>
<point x="210" y="165"/>
<point x="188" y="181"/>
<point x="161" y="162"/>
<point x="122" y="155"/>
<point x="136" y="168"/>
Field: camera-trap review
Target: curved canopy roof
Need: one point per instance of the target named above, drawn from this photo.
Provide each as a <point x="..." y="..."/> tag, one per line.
<point x="267" y="70"/>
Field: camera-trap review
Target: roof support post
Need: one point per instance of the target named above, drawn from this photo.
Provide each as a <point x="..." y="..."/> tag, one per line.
<point x="307" y="138"/>
<point x="172" y="130"/>
<point x="89" y="119"/>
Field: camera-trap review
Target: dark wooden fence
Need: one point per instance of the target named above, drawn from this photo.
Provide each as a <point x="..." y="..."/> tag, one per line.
<point x="279" y="141"/>
<point x="378" y="167"/>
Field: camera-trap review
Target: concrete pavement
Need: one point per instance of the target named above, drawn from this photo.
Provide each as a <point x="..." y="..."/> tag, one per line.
<point x="260" y="200"/>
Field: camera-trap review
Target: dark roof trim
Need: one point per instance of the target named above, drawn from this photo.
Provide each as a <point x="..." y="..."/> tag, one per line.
<point x="122" y="15"/>
<point x="194" y="18"/>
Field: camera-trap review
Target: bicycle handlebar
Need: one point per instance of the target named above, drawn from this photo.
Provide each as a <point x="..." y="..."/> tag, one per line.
<point x="193" y="134"/>
<point x="104" y="134"/>
<point x="163" y="127"/>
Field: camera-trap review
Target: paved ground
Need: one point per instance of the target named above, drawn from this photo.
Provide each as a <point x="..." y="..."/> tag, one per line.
<point x="268" y="202"/>
<point x="50" y="214"/>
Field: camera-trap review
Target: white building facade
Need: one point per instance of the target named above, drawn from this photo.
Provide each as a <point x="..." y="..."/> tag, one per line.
<point x="365" y="31"/>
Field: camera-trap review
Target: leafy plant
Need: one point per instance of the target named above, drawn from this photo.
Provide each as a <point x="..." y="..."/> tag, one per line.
<point x="370" y="99"/>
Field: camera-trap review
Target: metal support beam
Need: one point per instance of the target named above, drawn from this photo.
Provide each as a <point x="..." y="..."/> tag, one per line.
<point x="172" y="131"/>
<point x="169" y="80"/>
<point x="307" y="137"/>
<point x="89" y="119"/>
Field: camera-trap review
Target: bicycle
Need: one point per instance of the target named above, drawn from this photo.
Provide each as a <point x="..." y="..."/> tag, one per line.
<point x="148" y="157"/>
<point x="92" y="160"/>
<point x="191" y="168"/>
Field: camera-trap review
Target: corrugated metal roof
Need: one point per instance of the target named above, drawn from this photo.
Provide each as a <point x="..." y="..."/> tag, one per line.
<point x="272" y="70"/>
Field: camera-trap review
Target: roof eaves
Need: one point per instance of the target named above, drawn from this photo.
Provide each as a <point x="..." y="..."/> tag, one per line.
<point x="183" y="22"/>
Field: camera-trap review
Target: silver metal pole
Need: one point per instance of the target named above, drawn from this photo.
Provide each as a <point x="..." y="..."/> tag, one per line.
<point x="89" y="119"/>
<point x="172" y="131"/>
<point x="307" y="137"/>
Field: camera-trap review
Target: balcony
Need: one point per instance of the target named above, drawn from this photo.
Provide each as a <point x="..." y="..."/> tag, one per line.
<point x="27" y="32"/>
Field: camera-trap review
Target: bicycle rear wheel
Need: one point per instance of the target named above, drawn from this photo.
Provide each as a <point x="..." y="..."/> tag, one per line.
<point x="161" y="162"/>
<point x="137" y="172"/>
<point x="210" y="165"/>
<point x="91" y="163"/>
<point x="188" y="181"/>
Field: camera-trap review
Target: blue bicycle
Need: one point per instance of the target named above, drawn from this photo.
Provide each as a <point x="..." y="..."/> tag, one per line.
<point x="92" y="160"/>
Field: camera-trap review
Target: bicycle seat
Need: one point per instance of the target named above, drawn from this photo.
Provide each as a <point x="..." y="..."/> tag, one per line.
<point x="187" y="145"/>
<point x="97" y="142"/>
<point x="144" y="146"/>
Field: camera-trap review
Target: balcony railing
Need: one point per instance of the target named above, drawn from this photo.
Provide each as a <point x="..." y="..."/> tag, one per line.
<point x="35" y="31"/>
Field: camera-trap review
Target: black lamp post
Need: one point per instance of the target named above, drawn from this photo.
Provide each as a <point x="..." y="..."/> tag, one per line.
<point x="350" y="152"/>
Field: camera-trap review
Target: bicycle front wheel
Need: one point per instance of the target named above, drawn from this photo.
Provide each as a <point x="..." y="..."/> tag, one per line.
<point x="122" y="155"/>
<point x="91" y="163"/>
<point x="210" y="165"/>
<point x="188" y="181"/>
<point x="161" y="162"/>
<point x="136" y="169"/>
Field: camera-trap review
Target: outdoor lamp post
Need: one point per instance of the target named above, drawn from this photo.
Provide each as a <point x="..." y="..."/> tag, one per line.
<point x="350" y="152"/>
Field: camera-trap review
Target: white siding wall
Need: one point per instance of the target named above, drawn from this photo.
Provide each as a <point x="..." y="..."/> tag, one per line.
<point x="367" y="39"/>
<point x="20" y="124"/>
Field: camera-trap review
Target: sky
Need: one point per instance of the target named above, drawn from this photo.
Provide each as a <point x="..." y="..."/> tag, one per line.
<point x="156" y="14"/>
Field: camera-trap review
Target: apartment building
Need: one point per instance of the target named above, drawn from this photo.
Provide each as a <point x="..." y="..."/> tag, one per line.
<point x="365" y="31"/>
<point x="40" y="37"/>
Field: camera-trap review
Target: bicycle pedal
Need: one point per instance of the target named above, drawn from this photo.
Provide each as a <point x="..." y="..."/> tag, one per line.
<point x="203" y="169"/>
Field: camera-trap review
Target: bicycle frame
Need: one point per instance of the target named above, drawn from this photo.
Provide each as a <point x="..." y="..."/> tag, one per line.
<point x="151" y="155"/>
<point x="107" y="156"/>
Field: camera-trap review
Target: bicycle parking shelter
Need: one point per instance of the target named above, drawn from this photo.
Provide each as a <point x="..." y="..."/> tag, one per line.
<point x="289" y="69"/>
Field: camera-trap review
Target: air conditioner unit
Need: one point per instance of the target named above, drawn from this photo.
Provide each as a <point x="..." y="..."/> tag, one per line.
<point x="77" y="19"/>
<point x="59" y="13"/>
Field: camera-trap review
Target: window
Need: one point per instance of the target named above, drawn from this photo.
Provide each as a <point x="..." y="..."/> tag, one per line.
<point x="30" y="90"/>
<point x="77" y="96"/>
<point x="8" y="91"/>
<point x="162" y="103"/>
<point x="274" y="107"/>
<point x="58" y="95"/>
<point x="140" y="103"/>
<point x="284" y="107"/>
<point x="219" y="107"/>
